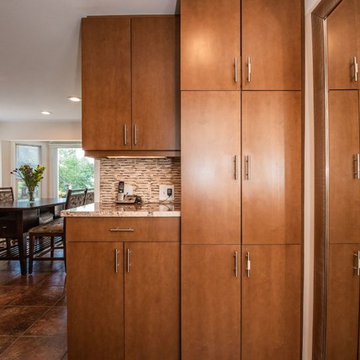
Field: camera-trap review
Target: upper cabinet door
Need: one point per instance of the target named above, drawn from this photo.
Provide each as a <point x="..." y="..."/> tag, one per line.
<point x="210" y="45"/>
<point x="343" y="49"/>
<point x="344" y="187"/>
<point x="271" y="187"/>
<point x="106" y="83"/>
<point x="210" y="174"/>
<point x="155" y="83"/>
<point x="271" y="44"/>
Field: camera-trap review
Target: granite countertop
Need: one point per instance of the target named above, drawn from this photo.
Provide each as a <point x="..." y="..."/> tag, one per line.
<point x="115" y="210"/>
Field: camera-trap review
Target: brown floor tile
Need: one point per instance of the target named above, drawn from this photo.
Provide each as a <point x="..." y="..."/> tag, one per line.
<point x="62" y="301"/>
<point x="48" y="266"/>
<point x="55" y="279"/>
<point x="36" y="348"/>
<point x="14" y="320"/>
<point x="8" y="276"/>
<point x="5" y="342"/>
<point x="40" y="296"/>
<point x="9" y="294"/>
<point x="28" y="280"/>
<point x="52" y="323"/>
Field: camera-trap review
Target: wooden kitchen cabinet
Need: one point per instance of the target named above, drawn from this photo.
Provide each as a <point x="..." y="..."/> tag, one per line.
<point x="106" y="83"/>
<point x="210" y="45"/>
<point x="156" y="83"/>
<point x="271" y="302"/>
<point x="152" y="301"/>
<point x="343" y="45"/>
<point x="210" y="174"/>
<point x="344" y="187"/>
<point x="122" y="304"/>
<point x="210" y="302"/>
<point x="271" y="44"/>
<point x="95" y="301"/>
<point x="130" y="85"/>
<point x="272" y="167"/>
<point x="343" y="303"/>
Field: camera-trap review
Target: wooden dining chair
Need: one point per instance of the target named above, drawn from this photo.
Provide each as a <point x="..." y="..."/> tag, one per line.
<point x="53" y="230"/>
<point x="6" y="195"/>
<point x="89" y="198"/>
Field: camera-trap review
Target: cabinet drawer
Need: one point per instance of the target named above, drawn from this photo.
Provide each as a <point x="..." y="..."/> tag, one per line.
<point x="122" y="229"/>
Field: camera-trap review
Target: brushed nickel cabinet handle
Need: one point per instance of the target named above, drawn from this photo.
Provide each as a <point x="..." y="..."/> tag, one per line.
<point x="236" y="167"/>
<point x="356" y="164"/>
<point x="248" y="264"/>
<point x="125" y="134"/>
<point x="122" y="230"/>
<point x="135" y="134"/>
<point x="128" y="260"/>
<point x="247" y="171"/>
<point x="116" y="260"/>
<point x="357" y="265"/>
<point x="236" y="77"/>
<point x="236" y="263"/>
<point x="248" y="69"/>
<point x="356" y="69"/>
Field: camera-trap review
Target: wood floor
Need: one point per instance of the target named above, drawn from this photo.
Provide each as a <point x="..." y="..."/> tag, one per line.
<point x="32" y="312"/>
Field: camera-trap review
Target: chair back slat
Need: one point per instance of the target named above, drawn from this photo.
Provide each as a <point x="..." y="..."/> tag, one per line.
<point x="6" y="194"/>
<point x="89" y="198"/>
<point x="75" y="198"/>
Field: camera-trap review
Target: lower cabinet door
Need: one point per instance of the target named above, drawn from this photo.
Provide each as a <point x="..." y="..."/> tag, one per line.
<point x="152" y="301"/>
<point x="95" y="301"/>
<point x="210" y="302"/>
<point x="343" y="303"/>
<point x="271" y="302"/>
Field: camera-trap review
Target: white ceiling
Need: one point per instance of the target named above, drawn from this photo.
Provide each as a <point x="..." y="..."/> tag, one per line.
<point x="40" y="52"/>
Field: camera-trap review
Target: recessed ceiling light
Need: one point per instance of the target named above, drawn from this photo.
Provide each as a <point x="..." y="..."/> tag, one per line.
<point x="45" y="112"/>
<point x="74" y="98"/>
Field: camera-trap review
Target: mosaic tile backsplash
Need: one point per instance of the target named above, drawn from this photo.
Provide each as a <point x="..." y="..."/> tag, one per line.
<point x="145" y="175"/>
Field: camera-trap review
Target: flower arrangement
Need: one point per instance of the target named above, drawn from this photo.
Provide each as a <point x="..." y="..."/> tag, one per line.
<point x="30" y="176"/>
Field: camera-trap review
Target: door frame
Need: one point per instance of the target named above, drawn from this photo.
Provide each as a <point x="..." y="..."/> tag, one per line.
<point x="321" y="127"/>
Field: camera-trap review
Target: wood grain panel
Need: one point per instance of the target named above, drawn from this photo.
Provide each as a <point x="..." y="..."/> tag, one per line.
<point x="343" y="44"/>
<point x="152" y="302"/>
<point x="210" y="40"/>
<point x="145" y="229"/>
<point x="343" y="303"/>
<point x="271" y="303"/>
<point x="210" y="193"/>
<point x="271" y="198"/>
<point x="272" y="38"/>
<point x="344" y="189"/>
<point x="156" y="82"/>
<point x="106" y="83"/>
<point x="95" y="301"/>
<point x="210" y="303"/>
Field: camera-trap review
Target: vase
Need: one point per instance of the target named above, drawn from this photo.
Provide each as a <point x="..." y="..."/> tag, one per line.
<point x="31" y="193"/>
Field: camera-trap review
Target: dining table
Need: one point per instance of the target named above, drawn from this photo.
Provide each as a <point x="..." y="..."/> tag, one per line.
<point x="17" y="217"/>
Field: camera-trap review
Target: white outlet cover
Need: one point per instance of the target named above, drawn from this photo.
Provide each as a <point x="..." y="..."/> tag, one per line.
<point x="163" y="192"/>
<point x="128" y="189"/>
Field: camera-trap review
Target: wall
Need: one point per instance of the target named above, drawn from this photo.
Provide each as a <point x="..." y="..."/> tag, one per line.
<point x="308" y="187"/>
<point x="145" y="175"/>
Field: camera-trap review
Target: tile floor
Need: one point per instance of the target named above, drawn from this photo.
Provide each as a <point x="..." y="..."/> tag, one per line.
<point x="32" y="312"/>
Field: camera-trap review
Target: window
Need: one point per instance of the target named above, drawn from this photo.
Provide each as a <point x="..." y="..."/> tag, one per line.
<point x="75" y="171"/>
<point x="27" y="154"/>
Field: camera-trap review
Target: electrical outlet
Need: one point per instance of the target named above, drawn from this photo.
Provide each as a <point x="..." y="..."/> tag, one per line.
<point x="128" y="189"/>
<point x="163" y="192"/>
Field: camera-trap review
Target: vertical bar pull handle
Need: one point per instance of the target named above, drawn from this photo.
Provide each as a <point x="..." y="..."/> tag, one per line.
<point x="128" y="260"/>
<point x="135" y="134"/>
<point x="248" y="69"/>
<point x="236" y="167"/>
<point x="356" y="161"/>
<point x="356" y="69"/>
<point x="125" y="135"/>
<point x="236" y="76"/>
<point x="357" y="264"/>
<point x="236" y="264"/>
<point x="116" y="260"/>
<point x="247" y="167"/>
<point x="248" y="264"/>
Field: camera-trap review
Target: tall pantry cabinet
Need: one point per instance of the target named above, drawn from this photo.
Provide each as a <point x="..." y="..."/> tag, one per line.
<point x="241" y="143"/>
